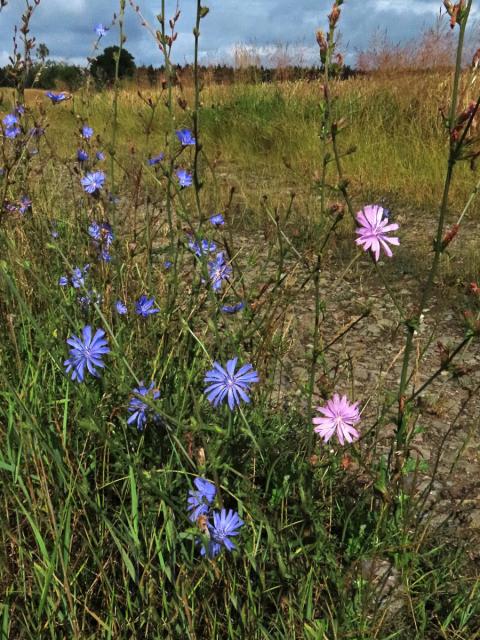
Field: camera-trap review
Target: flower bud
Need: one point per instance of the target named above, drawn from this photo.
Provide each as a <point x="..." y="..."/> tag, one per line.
<point x="334" y="16"/>
<point x="449" y="236"/>
<point x="322" y="43"/>
<point x="448" y="6"/>
<point x="474" y="289"/>
<point x="476" y="59"/>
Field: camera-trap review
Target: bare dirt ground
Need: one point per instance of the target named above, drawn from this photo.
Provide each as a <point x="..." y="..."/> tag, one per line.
<point x="365" y="361"/>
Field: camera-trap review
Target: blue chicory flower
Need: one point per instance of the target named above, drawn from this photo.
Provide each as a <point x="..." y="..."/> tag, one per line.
<point x="185" y="137"/>
<point x="225" y="383"/>
<point x="140" y="410"/>
<point x="184" y="178"/>
<point x="82" y="156"/>
<point x="87" y="132"/>
<point x="13" y="132"/>
<point x="24" y="204"/>
<point x="78" y="276"/>
<point x="101" y="30"/>
<point x="156" y="159"/>
<point x="56" y="97"/>
<point x="225" y="526"/>
<point x="10" y="120"/>
<point x="218" y="270"/>
<point x="121" y="307"/>
<point x="199" y="500"/>
<point x="203" y="248"/>
<point x="54" y="231"/>
<point x="234" y="308"/>
<point x="217" y="220"/>
<point x="101" y="232"/>
<point x="144" y="307"/>
<point x="86" y="351"/>
<point x="93" y="182"/>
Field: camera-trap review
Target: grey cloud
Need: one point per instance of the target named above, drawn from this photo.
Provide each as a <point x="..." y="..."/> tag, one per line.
<point x="66" y="26"/>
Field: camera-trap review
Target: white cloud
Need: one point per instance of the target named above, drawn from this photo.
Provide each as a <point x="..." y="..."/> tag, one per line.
<point x="419" y="8"/>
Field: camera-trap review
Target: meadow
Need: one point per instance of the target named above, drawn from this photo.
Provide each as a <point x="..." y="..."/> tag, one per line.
<point x="239" y="356"/>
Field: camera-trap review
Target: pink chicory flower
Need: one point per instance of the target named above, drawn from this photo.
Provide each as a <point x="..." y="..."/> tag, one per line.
<point x="374" y="227"/>
<point x="339" y="416"/>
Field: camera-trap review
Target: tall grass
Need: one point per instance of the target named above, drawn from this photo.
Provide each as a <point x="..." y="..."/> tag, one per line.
<point x="394" y="123"/>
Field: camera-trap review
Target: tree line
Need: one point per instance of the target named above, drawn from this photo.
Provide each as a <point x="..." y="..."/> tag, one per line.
<point x="44" y="73"/>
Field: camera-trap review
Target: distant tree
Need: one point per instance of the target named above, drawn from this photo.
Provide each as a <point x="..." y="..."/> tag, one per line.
<point x="70" y="76"/>
<point x="103" y="66"/>
<point x="151" y="75"/>
<point x="42" y="52"/>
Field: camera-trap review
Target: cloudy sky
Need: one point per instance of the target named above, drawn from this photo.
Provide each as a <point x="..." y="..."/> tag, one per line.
<point x="66" y="26"/>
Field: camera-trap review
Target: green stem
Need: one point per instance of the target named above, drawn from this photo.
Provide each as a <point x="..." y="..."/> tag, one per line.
<point x="427" y="290"/>
<point x="113" y="149"/>
<point x="196" y="112"/>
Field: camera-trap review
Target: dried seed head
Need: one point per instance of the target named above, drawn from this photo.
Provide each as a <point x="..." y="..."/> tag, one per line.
<point x="337" y="208"/>
<point x="314" y="459"/>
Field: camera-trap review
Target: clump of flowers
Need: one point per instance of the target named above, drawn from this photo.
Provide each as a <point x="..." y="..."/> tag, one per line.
<point x="21" y="207"/>
<point x="86" y="352"/>
<point x="226" y="383"/>
<point x="202" y="248"/>
<point x="339" y="417"/>
<point x="11" y="123"/>
<point x="102" y="236"/>
<point x="219" y="270"/>
<point x="217" y="527"/>
<point x="373" y="230"/>
<point x="91" y="297"/>
<point x="140" y="411"/>
<point x="11" y="127"/>
<point x="77" y="277"/>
